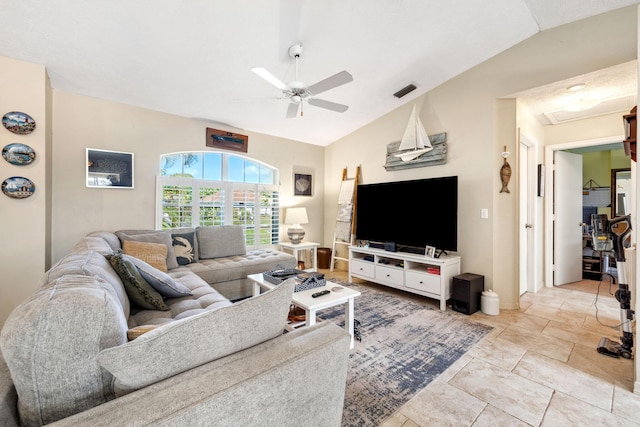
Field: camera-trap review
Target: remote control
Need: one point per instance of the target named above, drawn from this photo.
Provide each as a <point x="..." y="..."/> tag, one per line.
<point x="319" y="294"/>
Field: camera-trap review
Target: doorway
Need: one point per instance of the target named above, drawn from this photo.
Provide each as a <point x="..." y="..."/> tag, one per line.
<point x="551" y="259"/>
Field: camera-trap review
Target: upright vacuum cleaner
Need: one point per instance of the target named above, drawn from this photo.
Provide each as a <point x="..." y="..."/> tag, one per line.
<point x="611" y="234"/>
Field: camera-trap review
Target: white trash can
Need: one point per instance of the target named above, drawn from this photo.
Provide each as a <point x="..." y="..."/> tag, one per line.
<point x="490" y="303"/>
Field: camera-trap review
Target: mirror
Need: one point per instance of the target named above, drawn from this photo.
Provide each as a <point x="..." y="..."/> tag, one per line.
<point x="620" y="192"/>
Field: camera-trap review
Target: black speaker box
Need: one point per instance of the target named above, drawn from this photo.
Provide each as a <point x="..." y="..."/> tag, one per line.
<point x="390" y="246"/>
<point x="466" y="292"/>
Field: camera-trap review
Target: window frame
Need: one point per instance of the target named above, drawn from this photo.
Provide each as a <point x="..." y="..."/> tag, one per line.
<point x="230" y="191"/>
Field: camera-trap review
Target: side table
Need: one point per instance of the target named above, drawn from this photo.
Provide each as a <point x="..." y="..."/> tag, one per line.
<point x="294" y="249"/>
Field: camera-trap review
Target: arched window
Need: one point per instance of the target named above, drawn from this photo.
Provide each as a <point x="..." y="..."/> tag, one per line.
<point x="216" y="188"/>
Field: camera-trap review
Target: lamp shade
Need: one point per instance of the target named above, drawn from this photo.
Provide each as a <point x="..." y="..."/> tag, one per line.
<point x="296" y="216"/>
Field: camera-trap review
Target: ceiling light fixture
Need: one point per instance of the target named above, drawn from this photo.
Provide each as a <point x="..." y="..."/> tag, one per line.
<point x="576" y="87"/>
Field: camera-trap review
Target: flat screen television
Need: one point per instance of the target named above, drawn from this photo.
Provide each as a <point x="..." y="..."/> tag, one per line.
<point x="412" y="214"/>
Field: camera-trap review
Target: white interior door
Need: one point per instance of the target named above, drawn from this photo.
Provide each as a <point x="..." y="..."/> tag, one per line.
<point x="567" y="248"/>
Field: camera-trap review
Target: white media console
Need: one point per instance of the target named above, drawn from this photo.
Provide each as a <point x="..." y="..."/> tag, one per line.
<point x="414" y="273"/>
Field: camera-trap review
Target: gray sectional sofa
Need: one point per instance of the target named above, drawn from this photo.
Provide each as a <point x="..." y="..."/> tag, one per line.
<point x="111" y="339"/>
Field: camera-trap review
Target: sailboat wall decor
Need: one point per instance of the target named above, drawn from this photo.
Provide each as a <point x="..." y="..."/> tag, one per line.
<point x="416" y="149"/>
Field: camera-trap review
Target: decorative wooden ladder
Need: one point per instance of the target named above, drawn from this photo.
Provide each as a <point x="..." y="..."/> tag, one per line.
<point x="344" y="234"/>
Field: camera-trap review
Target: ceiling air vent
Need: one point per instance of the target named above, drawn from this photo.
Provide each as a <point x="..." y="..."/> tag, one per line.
<point x="405" y="90"/>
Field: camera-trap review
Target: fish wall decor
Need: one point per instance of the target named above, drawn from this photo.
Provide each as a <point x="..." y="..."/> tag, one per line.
<point x="505" y="172"/>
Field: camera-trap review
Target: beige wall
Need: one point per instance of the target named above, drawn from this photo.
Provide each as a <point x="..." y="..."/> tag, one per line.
<point x="478" y="126"/>
<point x="596" y="128"/>
<point x="82" y="122"/>
<point x="24" y="222"/>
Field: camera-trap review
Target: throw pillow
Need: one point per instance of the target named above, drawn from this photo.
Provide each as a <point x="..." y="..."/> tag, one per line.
<point x="160" y="281"/>
<point x="134" y="333"/>
<point x="181" y="345"/>
<point x="155" y="254"/>
<point x="150" y="236"/>
<point x="184" y="247"/>
<point x="221" y="241"/>
<point x="138" y="290"/>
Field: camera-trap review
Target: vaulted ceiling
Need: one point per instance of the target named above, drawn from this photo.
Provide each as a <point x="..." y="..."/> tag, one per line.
<point x="194" y="58"/>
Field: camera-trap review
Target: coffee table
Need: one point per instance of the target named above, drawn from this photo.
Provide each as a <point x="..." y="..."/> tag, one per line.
<point x="338" y="295"/>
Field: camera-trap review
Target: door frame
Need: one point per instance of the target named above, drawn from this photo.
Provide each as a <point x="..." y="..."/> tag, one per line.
<point x="528" y="248"/>
<point x="549" y="216"/>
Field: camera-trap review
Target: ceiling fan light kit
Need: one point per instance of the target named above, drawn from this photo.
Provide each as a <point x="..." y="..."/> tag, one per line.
<point x="297" y="91"/>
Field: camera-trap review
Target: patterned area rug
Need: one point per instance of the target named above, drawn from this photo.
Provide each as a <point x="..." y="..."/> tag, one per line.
<point x="405" y="345"/>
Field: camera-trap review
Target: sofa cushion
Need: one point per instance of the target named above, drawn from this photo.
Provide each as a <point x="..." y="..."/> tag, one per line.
<point x="203" y="298"/>
<point x="92" y="243"/>
<point x="112" y="240"/>
<point x="89" y="263"/>
<point x="154" y="254"/>
<point x="50" y="343"/>
<point x="151" y="236"/>
<point x="221" y="241"/>
<point x="139" y="291"/>
<point x="187" y="343"/>
<point x="217" y="270"/>
<point x="159" y="280"/>
<point x="184" y="247"/>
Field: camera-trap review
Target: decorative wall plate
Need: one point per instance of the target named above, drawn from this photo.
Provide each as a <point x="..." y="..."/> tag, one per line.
<point x="17" y="122"/>
<point x="18" y="187"/>
<point x="18" y="154"/>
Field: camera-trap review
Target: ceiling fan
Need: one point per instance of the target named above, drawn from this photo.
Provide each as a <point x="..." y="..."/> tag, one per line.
<point x="297" y="91"/>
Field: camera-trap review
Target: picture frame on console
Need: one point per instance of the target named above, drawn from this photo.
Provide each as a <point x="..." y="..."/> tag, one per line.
<point x="430" y="251"/>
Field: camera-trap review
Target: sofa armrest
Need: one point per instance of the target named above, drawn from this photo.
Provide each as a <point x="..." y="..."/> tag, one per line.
<point x="8" y="398"/>
<point x="298" y="378"/>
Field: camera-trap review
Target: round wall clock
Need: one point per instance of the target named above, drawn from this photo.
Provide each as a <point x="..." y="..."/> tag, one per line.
<point x="18" y="154"/>
<point x="17" y="122"/>
<point x="18" y="187"/>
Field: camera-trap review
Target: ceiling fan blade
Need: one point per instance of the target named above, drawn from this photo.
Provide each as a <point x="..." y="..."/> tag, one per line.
<point x="262" y="72"/>
<point x="330" y="82"/>
<point x="292" y="111"/>
<point x="333" y="106"/>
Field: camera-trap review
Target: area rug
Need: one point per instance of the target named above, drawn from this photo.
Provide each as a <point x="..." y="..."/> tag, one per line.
<point x="404" y="346"/>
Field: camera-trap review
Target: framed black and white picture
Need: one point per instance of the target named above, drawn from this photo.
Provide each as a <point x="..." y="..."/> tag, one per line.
<point x="430" y="251"/>
<point x="302" y="184"/>
<point x="109" y="169"/>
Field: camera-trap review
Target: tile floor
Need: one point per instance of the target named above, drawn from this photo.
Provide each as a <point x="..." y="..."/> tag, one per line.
<point x="538" y="367"/>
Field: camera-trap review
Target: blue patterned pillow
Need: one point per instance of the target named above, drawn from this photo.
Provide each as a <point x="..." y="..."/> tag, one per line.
<point x="159" y="280"/>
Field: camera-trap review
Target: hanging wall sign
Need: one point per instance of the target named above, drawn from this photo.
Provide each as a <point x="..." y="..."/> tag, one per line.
<point x="227" y="140"/>
<point x="437" y="156"/>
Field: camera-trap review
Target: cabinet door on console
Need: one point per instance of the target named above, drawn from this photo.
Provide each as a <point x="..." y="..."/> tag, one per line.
<point x="363" y="268"/>
<point x="423" y="282"/>
<point x="389" y="275"/>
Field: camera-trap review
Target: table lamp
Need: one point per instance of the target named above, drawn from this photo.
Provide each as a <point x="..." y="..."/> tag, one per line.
<point x="295" y="217"/>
